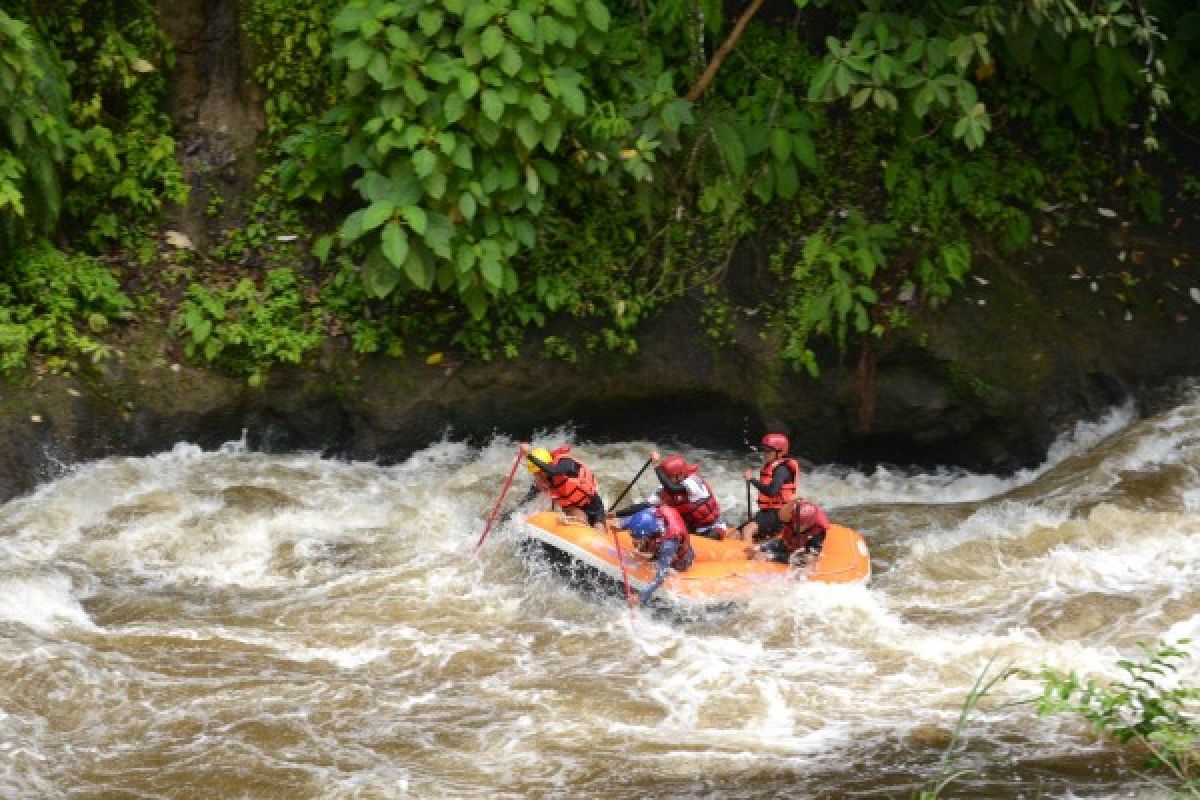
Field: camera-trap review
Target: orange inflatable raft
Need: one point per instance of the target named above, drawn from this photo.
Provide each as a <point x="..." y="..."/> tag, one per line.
<point x="721" y="572"/>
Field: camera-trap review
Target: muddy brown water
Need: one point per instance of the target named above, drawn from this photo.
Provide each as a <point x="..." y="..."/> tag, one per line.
<point x="227" y="624"/>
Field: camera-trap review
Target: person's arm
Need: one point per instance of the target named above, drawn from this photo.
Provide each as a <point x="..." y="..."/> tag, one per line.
<point x="779" y="476"/>
<point x="565" y="466"/>
<point x="666" y="554"/>
<point x="534" y="491"/>
<point x="629" y="511"/>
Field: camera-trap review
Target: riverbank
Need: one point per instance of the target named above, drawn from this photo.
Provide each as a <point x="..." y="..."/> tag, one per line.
<point x="1085" y="319"/>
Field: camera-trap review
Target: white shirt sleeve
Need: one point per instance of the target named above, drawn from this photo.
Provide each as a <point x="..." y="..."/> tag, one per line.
<point x="695" y="489"/>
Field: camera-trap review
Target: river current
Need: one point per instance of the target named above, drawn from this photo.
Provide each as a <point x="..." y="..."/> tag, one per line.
<point x="231" y="624"/>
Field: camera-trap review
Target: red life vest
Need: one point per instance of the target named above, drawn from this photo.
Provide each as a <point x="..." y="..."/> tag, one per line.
<point x="697" y="514"/>
<point x="787" y="492"/>
<point x="568" y="492"/>
<point x="674" y="528"/>
<point x="795" y="537"/>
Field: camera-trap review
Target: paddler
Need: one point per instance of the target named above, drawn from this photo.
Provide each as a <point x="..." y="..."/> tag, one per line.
<point x="684" y="490"/>
<point x="661" y="534"/>
<point x="801" y="537"/>
<point x="776" y="484"/>
<point x="568" y="483"/>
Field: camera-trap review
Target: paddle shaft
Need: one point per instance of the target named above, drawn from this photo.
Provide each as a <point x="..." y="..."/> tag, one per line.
<point x="617" y="537"/>
<point x="621" y="496"/>
<point x="749" y="516"/>
<point x="624" y="572"/>
<point x="499" y="500"/>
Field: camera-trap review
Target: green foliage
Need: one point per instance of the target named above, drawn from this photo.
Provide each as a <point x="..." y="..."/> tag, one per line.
<point x="1094" y="60"/>
<point x="33" y="126"/>
<point x="947" y="770"/>
<point x="56" y="306"/>
<point x="123" y="169"/>
<point x="248" y="327"/>
<point x="1147" y="708"/>
<point x="833" y="284"/>
<point x="452" y="115"/>
<point x="1181" y="56"/>
<point x="293" y="39"/>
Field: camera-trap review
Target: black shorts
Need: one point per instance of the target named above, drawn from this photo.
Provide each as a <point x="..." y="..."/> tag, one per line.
<point x="768" y="522"/>
<point x="594" y="510"/>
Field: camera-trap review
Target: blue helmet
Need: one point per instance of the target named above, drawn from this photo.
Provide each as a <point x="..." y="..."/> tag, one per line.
<point x="643" y="524"/>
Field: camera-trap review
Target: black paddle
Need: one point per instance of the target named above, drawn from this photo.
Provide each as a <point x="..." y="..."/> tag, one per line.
<point x="621" y="497"/>
<point x="748" y="515"/>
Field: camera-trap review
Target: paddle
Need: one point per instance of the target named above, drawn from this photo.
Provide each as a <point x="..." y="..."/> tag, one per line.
<point x="624" y="572"/>
<point x="499" y="500"/>
<point x="621" y="496"/>
<point x="617" y="537"/>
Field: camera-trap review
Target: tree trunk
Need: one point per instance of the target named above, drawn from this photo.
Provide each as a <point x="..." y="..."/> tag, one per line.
<point x="216" y="109"/>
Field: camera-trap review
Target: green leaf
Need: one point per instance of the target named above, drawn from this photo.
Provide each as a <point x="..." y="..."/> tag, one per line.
<point x="510" y="60"/>
<point x="462" y="156"/>
<point x="476" y="302"/>
<point x="493" y="273"/>
<point x="524" y="231"/>
<point x="419" y="269"/>
<point x="415" y="217"/>
<point x="566" y="8"/>
<point x="395" y="244"/>
<point x="429" y="20"/>
<point x="493" y="105"/>
<point x="841" y="80"/>
<point x="786" y="180"/>
<point x="454" y="107"/>
<point x="439" y="233"/>
<point x="424" y="162"/>
<point x="468" y="84"/>
<point x="539" y="107"/>
<point x="379" y="276"/>
<point x="573" y="99"/>
<point x="597" y="14"/>
<point x="492" y="41"/>
<point x="376" y="214"/>
<point x="522" y="25"/>
<point x="478" y="14"/>
<point x="730" y="143"/>
<point x="781" y="144"/>
<point x="527" y="132"/>
<point x="466" y="205"/>
<point x="821" y="82"/>
<point x="551" y="134"/>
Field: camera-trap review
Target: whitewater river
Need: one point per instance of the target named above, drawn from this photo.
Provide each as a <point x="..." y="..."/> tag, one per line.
<point x="227" y="624"/>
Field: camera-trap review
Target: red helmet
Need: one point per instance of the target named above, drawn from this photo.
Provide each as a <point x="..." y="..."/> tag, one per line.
<point x="776" y="441"/>
<point x="806" y="514"/>
<point x="676" y="467"/>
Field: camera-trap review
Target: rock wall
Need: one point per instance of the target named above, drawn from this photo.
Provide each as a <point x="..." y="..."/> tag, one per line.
<point x="1026" y="349"/>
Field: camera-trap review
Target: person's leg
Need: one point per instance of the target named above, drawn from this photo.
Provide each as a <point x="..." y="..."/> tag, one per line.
<point x="594" y="513"/>
<point x="767" y="523"/>
<point x="746" y="531"/>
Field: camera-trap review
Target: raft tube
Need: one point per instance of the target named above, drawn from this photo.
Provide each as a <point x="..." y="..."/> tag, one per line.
<point x="721" y="573"/>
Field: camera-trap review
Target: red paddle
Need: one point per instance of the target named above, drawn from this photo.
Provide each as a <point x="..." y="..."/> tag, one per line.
<point x="499" y="500"/>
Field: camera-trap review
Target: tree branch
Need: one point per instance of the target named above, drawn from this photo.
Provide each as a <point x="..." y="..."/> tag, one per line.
<point x="711" y="70"/>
